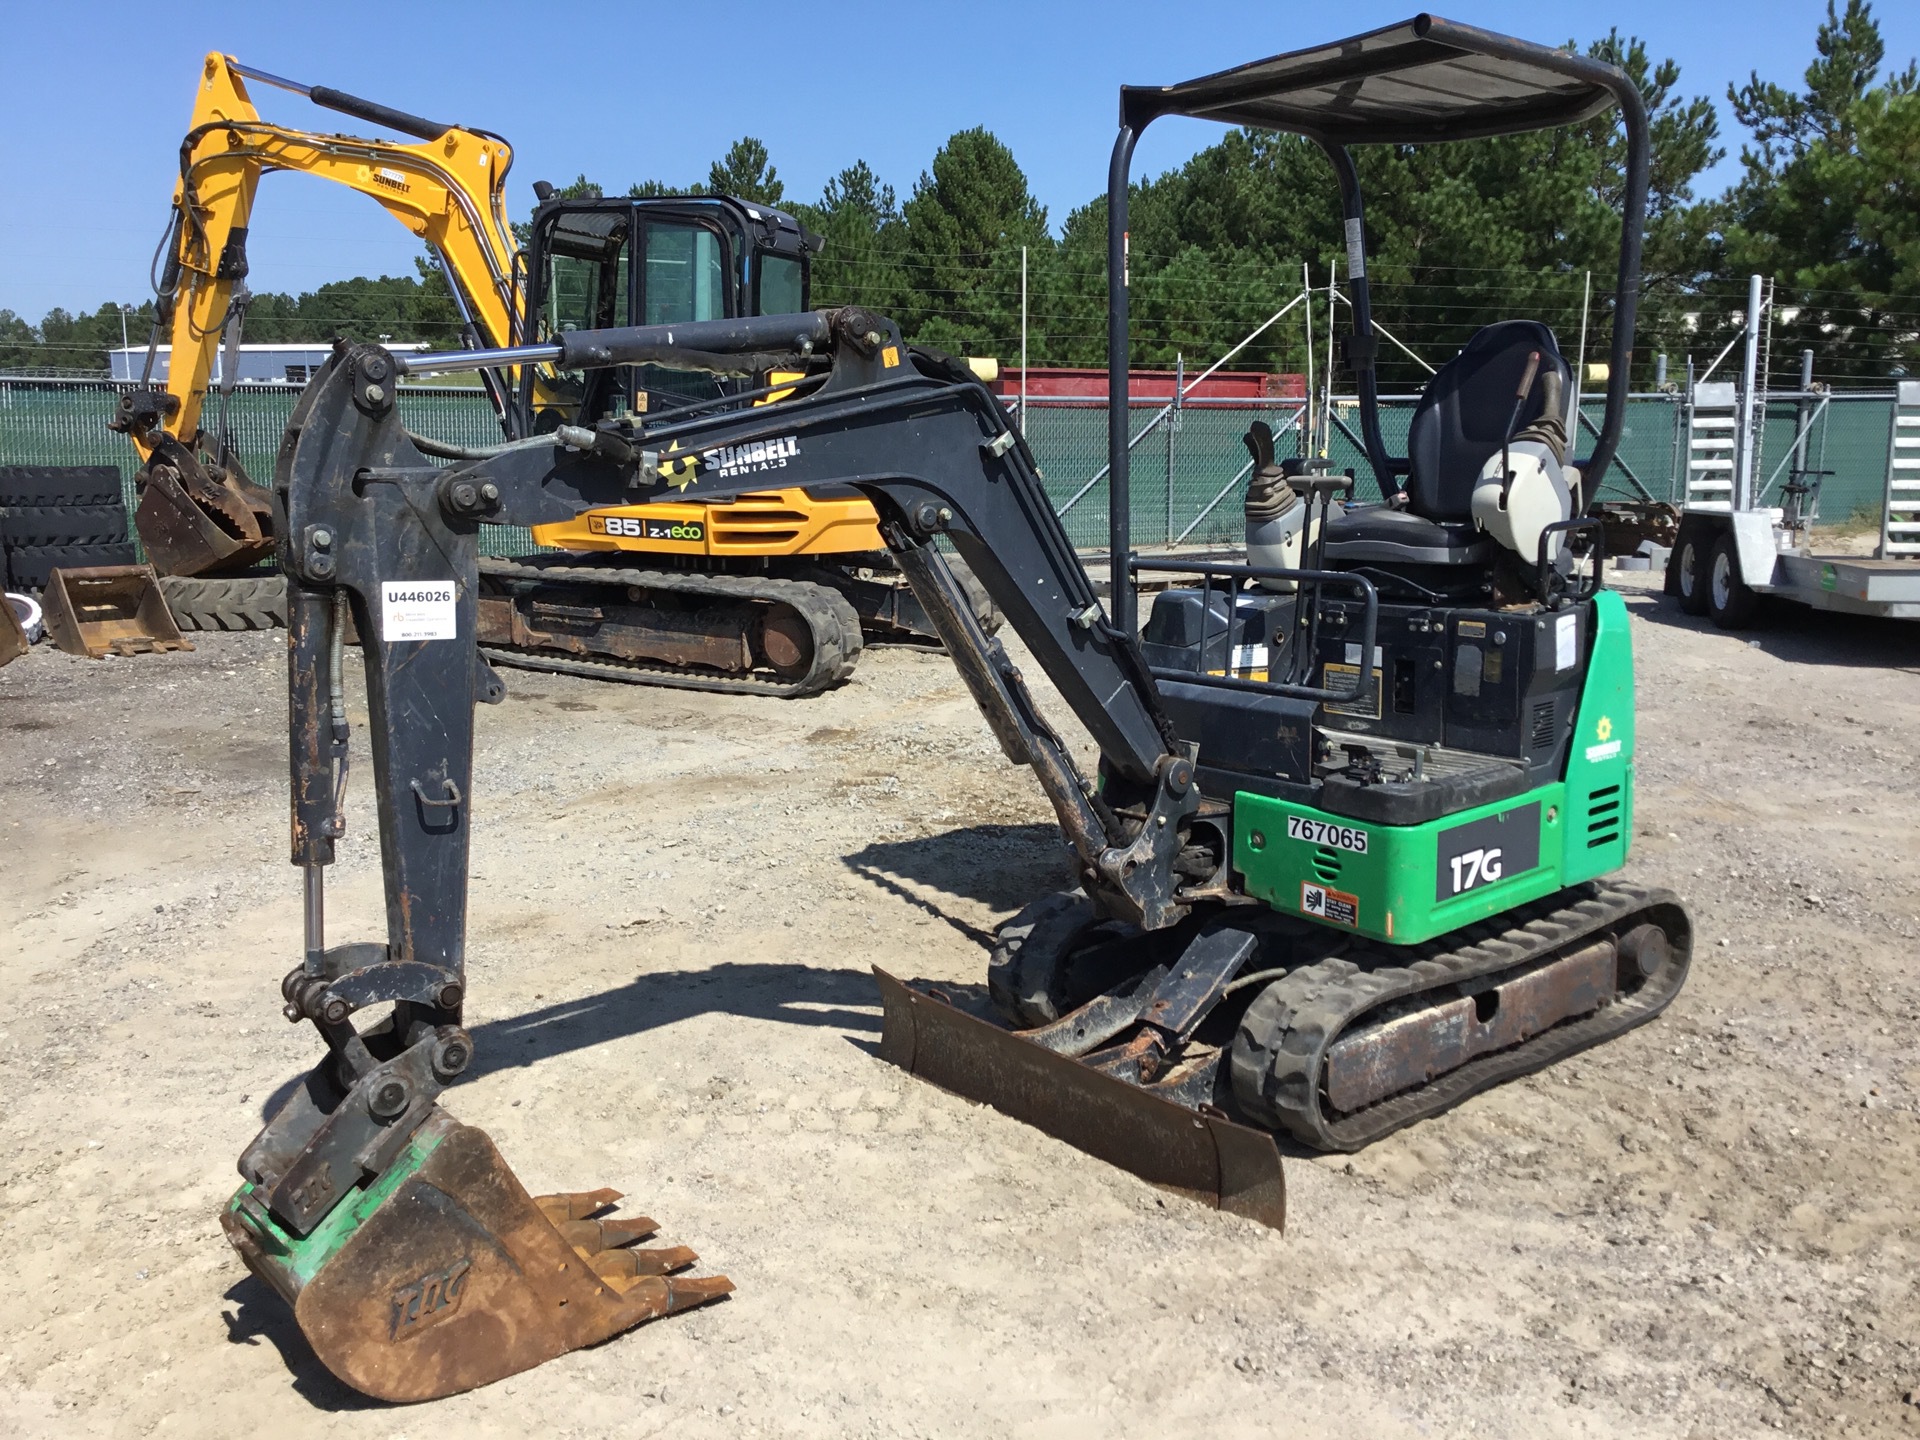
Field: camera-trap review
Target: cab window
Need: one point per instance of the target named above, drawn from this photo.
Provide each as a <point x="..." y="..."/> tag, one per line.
<point x="585" y="284"/>
<point x="782" y="284"/>
<point x="686" y="275"/>
<point x="686" y="279"/>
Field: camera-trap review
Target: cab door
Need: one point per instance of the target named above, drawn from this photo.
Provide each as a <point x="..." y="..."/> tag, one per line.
<point x="685" y="265"/>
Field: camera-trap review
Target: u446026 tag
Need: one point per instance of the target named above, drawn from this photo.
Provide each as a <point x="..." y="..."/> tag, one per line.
<point x="418" y="610"/>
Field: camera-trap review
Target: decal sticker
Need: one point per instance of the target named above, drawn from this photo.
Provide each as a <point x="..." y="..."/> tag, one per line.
<point x="1472" y="629"/>
<point x="679" y="471"/>
<point x="1334" y="906"/>
<point x="642" y="527"/>
<point x="1247" y="662"/>
<point x="417" y="610"/>
<point x="890" y="356"/>
<point x="1365" y="705"/>
<point x="1608" y="747"/>
<point x="1334" y="837"/>
<point x="1566" y="641"/>
<point x="728" y="461"/>
<point x="1485" y="852"/>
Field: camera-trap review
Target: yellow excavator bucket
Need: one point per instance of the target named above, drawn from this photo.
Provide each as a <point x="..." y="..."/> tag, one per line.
<point x="445" y="1274"/>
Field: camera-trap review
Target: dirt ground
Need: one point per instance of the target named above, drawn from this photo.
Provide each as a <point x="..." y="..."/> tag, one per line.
<point x="1709" y="1228"/>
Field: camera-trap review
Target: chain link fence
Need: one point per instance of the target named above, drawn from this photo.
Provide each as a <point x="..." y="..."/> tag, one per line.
<point x="1189" y="464"/>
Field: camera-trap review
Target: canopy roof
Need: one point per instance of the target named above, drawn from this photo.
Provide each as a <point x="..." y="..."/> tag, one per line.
<point x="1425" y="80"/>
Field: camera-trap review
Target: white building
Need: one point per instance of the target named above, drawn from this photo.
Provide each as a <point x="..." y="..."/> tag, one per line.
<point x="289" y="364"/>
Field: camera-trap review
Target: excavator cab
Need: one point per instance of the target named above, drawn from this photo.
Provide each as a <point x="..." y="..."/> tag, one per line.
<point x="600" y="263"/>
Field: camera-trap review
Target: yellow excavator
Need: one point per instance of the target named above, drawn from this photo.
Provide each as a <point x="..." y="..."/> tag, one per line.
<point x="772" y="593"/>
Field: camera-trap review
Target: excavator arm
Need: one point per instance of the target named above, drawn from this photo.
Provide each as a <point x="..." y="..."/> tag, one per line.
<point x="361" y="1196"/>
<point x="198" y="509"/>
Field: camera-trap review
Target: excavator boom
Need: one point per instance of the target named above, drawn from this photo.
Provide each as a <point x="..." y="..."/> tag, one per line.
<point x="198" y="509"/>
<point x="448" y="188"/>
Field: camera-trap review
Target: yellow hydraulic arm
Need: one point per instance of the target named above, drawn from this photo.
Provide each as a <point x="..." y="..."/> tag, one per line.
<point x="448" y="188"/>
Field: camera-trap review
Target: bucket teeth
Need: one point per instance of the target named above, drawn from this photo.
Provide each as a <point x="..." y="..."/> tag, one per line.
<point x="575" y="1204"/>
<point x="589" y="1235"/>
<point x="686" y="1292"/>
<point x="614" y="1264"/>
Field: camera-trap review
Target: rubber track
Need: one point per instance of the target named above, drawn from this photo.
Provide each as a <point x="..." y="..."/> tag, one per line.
<point x="236" y="602"/>
<point x="835" y="627"/>
<point x="1278" y="1055"/>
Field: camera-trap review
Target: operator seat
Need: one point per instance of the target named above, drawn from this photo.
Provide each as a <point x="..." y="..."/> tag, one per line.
<point x="1461" y="421"/>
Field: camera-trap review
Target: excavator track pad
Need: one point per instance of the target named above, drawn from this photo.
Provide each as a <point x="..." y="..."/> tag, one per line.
<point x="444" y="1274"/>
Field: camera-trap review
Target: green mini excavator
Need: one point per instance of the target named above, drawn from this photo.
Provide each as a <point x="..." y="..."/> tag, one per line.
<point x="1344" y="862"/>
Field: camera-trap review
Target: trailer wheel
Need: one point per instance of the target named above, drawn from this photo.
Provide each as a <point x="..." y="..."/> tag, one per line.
<point x="1731" y="602"/>
<point x="1687" y="573"/>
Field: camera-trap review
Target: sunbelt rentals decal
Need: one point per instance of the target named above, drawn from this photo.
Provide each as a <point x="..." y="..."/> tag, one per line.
<point x="1605" y="746"/>
<point x="728" y="461"/>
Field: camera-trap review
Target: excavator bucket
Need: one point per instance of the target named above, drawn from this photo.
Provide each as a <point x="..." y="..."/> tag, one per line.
<point x="13" y="635"/>
<point x="445" y="1274"/>
<point x="193" y="519"/>
<point x="1198" y="1153"/>
<point x="110" y="610"/>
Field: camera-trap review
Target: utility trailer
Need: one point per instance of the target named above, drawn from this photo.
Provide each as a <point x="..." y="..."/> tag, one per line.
<point x="1733" y="548"/>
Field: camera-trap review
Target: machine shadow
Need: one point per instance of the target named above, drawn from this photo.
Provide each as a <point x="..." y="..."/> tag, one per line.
<point x="1799" y="633"/>
<point x="791" y="994"/>
<point x="262" y="1315"/>
<point x="1001" y="866"/>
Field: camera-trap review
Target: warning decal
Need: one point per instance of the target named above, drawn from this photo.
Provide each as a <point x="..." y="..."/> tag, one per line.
<point x="1336" y="907"/>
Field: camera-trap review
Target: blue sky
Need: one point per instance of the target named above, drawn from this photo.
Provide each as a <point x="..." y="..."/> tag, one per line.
<point x="623" y="92"/>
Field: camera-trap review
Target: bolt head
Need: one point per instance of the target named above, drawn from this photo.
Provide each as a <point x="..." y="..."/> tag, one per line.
<point x="376" y="394"/>
<point x="388" y="1099"/>
<point x="489" y="492"/>
<point x="323" y="539"/>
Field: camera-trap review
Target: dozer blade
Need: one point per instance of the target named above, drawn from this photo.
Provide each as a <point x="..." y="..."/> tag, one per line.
<point x="110" y="610"/>
<point x="445" y="1274"/>
<point x="1198" y="1153"/>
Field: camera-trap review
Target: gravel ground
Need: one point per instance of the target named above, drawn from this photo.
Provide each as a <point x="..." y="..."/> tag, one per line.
<point x="1707" y="1228"/>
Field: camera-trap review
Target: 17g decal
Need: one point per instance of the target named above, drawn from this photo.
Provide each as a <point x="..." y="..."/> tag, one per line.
<point x="1484" y="852"/>
<point x="1475" y="867"/>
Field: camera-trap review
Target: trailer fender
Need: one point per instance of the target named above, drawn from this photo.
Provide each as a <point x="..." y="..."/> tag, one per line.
<point x="1753" y="537"/>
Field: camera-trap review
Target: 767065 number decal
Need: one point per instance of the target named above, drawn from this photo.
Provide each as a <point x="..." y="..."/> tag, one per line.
<point x="1334" y="837"/>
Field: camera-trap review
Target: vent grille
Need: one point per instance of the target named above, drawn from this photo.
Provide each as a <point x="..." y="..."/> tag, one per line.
<point x="1326" y="864"/>
<point x="1603" y="817"/>
<point x="1544" y="729"/>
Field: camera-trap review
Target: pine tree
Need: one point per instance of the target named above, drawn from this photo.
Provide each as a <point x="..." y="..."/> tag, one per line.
<point x="964" y="225"/>
<point x="1826" y="203"/>
<point x="743" y="172"/>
